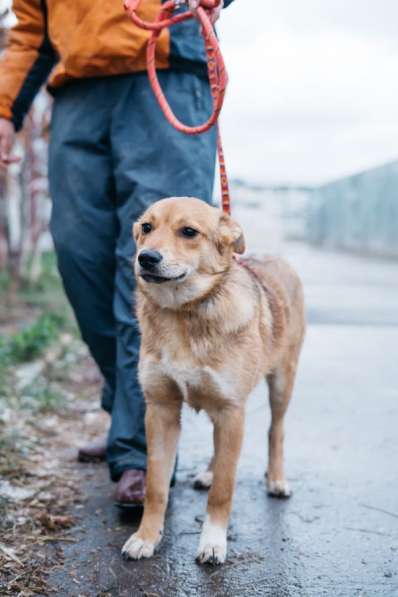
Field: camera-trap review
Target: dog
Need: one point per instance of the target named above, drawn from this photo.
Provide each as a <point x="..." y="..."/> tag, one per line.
<point x="212" y="324"/>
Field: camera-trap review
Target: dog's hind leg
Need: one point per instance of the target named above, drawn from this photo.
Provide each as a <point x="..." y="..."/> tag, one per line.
<point x="162" y="431"/>
<point x="204" y="479"/>
<point x="280" y="384"/>
<point x="228" y="434"/>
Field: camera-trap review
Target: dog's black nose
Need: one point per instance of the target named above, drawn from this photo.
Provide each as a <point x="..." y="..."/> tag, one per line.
<point x="148" y="258"/>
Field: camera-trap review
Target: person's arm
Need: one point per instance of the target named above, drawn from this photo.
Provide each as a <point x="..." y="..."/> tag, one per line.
<point x="24" y="67"/>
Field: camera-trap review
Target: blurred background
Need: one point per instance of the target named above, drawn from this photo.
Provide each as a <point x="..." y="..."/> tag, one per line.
<point x="310" y="130"/>
<point x="310" y="127"/>
<point x="311" y="119"/>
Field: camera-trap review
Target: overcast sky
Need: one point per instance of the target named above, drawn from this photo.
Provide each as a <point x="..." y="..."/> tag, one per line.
<point x="313" y="91"/>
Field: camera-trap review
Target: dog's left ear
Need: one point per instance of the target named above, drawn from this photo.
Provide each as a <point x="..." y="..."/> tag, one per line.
<point x="230" y="234"/>
<point x="136" y="231"/>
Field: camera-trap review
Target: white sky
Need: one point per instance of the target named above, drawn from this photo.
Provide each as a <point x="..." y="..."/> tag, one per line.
<point x="313" y="91"/>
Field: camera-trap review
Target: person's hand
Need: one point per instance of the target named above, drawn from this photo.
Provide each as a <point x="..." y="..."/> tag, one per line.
<point x="214" y="13"/>
<point x="7" y="137"/>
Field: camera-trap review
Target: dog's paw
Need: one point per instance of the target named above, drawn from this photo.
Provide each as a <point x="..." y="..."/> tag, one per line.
<point x="278" y="488"/>
<point x="203" y="480"/>
<point x="212" y="554"/>
<point x="212" y="545"/>
<point x="136" y="548"/>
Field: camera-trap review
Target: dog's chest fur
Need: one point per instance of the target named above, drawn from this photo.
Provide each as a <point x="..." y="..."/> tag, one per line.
<point x="199" y="385"/>
<point x="210" y="357"/>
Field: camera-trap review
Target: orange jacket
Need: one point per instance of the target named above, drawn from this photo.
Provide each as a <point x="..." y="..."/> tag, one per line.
<point x="72" y="39"/>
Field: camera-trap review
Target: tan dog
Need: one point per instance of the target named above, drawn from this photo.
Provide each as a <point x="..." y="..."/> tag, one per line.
<point x="211" y="328"/>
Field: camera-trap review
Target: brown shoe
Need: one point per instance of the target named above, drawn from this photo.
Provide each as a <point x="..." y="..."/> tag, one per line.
<point x="92" y="452"/>
<point x="130" y="490"/>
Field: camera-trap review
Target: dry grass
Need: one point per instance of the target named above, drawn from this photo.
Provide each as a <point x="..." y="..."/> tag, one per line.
<point x="49" y="389"/>
<point x="40" y="481"/>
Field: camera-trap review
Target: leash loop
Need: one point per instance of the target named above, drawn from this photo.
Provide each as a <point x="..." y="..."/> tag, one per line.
<point x="218" y="77"/>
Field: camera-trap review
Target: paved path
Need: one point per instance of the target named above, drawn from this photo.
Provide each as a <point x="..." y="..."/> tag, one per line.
<point x="338" y="534"/>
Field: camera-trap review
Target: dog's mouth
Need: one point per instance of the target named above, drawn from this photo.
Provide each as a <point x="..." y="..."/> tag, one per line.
<point x="152" y="278"/>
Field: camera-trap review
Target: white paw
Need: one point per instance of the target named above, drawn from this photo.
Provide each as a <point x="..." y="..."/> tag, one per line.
<point x="278" y="488"/>
<point x="212" y="554"/>
<point x="136" y="548"/>
<point x="203" y="480"/>
<point x="213" y="544"/>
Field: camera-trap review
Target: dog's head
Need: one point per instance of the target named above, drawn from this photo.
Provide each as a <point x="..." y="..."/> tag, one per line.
<point x="183" y="247"/>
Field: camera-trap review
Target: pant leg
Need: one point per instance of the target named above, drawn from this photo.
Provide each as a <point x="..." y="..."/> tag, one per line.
<point x="151" y="161"/>
<point x="83" y="222"/>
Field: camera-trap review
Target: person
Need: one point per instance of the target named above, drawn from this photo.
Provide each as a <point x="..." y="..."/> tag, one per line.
<point x="111" y="154"/>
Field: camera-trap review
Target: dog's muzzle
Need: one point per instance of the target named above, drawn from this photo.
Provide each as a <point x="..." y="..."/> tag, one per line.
<point x="153" y="269"/>
<point x="149" y="259"/>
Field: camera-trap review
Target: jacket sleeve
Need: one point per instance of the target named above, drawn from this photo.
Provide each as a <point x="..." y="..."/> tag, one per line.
<point x="27" y="60"/>
<point x="227" y="3"/>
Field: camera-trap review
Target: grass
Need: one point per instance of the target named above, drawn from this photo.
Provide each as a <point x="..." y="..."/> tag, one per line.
<point x="42" y="398"/>
<point x="12" y="450"/>
<point x="41" y="314"/>
<point x="4" y="282"/>
<point x="45" y="294"/>
<point x="33" y="400"/>
<point x="30" y="343"/>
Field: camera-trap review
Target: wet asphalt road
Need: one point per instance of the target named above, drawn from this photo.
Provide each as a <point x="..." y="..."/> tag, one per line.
<point x="338" y="534"/>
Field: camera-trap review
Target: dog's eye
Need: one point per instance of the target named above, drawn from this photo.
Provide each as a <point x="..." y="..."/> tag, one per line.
<point x="189" y="232"/>
<point x="146" y="228"/>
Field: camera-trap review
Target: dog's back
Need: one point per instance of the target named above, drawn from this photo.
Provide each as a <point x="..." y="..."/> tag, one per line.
<point x="283" y="288"/>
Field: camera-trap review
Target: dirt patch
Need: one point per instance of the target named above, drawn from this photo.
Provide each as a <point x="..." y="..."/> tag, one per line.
<point x="49" y="404"/>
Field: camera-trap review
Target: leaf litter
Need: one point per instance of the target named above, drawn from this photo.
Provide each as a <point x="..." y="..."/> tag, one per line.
<point x="39" y="481"/>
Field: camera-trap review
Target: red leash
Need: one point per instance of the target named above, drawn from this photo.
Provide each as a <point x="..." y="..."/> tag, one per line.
<point x="215" y="65"/>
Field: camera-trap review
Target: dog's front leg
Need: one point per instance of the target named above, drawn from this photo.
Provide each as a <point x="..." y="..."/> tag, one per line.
<point x="228" y="434"/>
<point x="162" y="424"/>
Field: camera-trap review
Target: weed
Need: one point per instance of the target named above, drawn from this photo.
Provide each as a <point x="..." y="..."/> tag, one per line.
<point x="29" y="343"/>
<point x="42" y="398"/>
<point x="12" y="448"/>
<point x="5" y="282"/>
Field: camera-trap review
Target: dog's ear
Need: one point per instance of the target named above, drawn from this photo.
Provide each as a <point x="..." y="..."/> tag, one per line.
<point x="136" y="230"/>
<point x="230" y="234"/>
